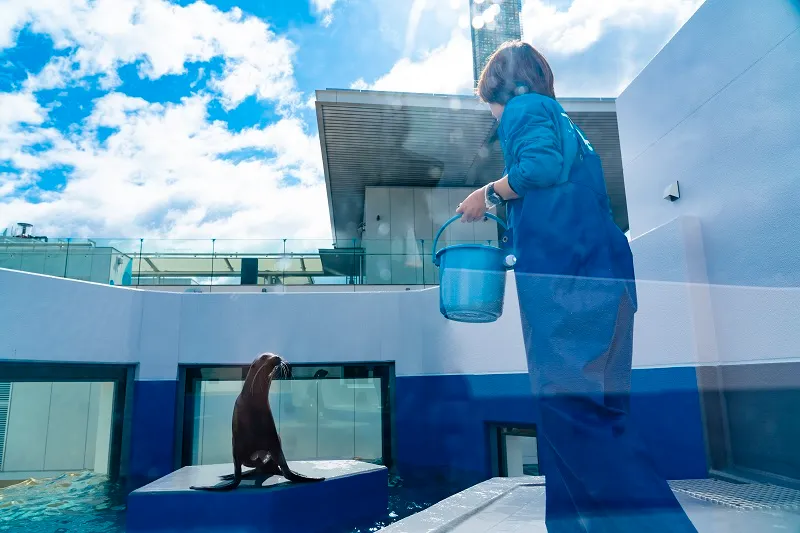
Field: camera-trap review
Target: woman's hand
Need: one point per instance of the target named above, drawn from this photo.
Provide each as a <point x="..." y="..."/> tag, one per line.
<point x="474" y="206"/>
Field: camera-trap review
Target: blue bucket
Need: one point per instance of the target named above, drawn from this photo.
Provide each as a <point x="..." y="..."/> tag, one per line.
<point x="472" y="278"/>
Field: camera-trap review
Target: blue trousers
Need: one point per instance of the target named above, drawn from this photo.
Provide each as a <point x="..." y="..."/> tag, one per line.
<point x="599" y="477"/>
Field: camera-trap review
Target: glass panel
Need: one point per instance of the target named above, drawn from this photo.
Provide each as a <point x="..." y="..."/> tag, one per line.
<point x="336" y="418"/>
<point x="213" y="430"/>
<point x="49" y="428"/>
<point x="299" y="410"/>
<point x="368" y="436"/>
<point x="204" y="262"/>
<point x="318" y="413"/>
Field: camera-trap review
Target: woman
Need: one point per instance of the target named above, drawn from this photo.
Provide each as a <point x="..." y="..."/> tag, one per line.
<point x="577" y="296"/>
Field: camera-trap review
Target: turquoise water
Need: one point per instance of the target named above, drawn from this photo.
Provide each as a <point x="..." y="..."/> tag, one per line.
<point x="89" y="503"/>
<point x="70" y="503"/>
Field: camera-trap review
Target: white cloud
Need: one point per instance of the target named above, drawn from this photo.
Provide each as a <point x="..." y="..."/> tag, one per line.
<point x="19" y="108"/>
<point x="167" y="171"/>
<point x="11" y="183"/>
<point x="324" y="9"/>
<point x="10" y="21"/>
<point x="445" y="70"/>
<point x="162" y="37"/>
<point x="20" y="116"/>
<point x="586" y="21"/>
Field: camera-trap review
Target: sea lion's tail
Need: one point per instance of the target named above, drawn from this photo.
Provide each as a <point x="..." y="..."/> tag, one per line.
<point x="232" y="484"/>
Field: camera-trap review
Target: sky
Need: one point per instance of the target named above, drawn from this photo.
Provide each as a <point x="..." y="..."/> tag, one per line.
<point x="174" y="119"/>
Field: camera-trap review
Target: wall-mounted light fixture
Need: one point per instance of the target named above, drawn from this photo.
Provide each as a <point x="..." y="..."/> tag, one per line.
<point x="672" y="192"/>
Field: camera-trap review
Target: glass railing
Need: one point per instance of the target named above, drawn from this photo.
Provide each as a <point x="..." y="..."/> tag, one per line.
<point x="230" y="262"/>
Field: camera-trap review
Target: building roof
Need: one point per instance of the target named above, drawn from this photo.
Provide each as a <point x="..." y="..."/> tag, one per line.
<point x="373" y="138"/>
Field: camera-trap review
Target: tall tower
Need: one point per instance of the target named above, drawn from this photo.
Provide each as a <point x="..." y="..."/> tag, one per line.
<point x="493" y="22"/>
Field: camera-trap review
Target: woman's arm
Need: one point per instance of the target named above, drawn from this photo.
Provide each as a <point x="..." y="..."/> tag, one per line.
<point x="537" y="160"/>
<point x="535" y="147"/>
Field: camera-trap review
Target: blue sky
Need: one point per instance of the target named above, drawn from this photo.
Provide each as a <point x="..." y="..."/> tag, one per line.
<point x="194" y="119"/>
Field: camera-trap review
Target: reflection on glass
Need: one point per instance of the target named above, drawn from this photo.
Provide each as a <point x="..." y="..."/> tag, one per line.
<point x="316" y="419"/>
<point x="521" y="453"/>
<point x="49" y="428"/>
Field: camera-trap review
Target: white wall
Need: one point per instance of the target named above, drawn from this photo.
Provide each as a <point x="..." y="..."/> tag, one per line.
<point x="73" y="321"/>
<point x="405" y="327"/>
<point x="669" y="328"/>
<point x="717" y="110"/>
<point x="45" y="318"/>
<point x="87" y="322"/>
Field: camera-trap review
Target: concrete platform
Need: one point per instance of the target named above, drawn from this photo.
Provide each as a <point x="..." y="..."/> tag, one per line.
<point x="516" y="505"/>
<point x="352" y="491"/>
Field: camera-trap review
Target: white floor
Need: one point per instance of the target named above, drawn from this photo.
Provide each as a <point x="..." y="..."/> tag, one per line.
<point x="516" y="505"/>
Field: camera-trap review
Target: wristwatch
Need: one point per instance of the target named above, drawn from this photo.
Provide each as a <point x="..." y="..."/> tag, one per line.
<point x="492" y="198"/>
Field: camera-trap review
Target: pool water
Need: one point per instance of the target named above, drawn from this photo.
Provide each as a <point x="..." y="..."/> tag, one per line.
<point x="70" y="503"/>
<point x="88" y="503"/>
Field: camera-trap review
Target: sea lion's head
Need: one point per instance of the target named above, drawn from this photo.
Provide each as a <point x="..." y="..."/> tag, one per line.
<point x="264" y="369"/>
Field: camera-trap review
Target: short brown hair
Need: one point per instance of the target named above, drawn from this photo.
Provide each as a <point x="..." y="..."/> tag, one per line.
<point x="515" y="68"/>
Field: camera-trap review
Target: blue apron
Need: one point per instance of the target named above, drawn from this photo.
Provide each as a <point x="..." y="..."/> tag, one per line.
<point x="577" y="297"/>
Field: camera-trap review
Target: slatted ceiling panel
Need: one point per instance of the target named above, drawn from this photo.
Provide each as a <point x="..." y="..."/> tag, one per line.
<point x="422" y="151"/>
<point x="388" y="145"/>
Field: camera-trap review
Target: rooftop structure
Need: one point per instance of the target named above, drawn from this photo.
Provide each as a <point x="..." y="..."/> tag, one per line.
<point x="392" y="139"/>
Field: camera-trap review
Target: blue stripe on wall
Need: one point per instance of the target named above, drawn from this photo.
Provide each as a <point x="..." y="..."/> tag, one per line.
<point x="441" y="421"/>
<point x="152" y="431"/>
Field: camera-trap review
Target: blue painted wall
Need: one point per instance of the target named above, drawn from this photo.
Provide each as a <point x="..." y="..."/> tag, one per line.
<point x="152" y="431"/>
<point x="441" y="430"/>
<point x="441" y="421"/>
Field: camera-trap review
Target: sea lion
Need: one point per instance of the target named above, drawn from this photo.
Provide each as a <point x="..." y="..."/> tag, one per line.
<point x="255" y="438"/>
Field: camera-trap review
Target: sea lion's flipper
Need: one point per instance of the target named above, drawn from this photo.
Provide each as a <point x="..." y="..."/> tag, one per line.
<point x="245" y="475"/>
<point x="293" y="476"/>
<point x="264" y="470"/>
<point x="230" y="485"/>
<point x="299" y="478"/>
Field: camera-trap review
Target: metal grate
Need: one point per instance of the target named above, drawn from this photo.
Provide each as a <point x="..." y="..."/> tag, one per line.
<point x="5" y="400"/>
<point x="748" y="496"/>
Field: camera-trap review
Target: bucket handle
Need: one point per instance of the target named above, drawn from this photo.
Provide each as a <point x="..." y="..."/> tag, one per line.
<point x="453" y="219"/>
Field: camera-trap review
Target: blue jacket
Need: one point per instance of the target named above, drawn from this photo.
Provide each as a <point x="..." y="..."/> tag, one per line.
<point x="562" y="225"/>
